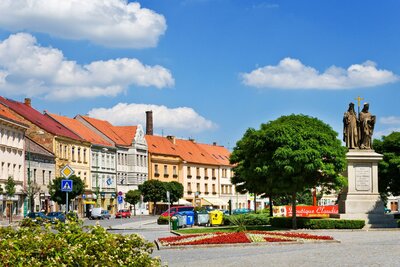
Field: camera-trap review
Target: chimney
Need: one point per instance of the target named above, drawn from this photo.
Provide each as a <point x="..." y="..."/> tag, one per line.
<point x="27" y="102"/>
<point x="214" y="143"/>
<point x="149" y="122"/>
<point x="172" y="139"/>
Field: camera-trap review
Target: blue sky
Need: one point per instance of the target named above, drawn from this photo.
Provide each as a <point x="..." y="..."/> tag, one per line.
<point x="209" y="69"/>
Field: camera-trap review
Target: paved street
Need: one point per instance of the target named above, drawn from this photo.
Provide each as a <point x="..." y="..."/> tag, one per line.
<point x="357" y="248"/>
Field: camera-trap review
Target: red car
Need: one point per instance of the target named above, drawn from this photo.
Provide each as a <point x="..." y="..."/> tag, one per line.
<point x="123" y="214"/>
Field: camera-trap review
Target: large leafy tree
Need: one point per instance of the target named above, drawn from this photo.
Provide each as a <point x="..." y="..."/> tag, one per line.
<point x="59" y="196"/>
<point x="10" y="187"/>
<point x="175" y="191"/>
<point x="289" y="155"/>
<point x="389" y="167"/>
<point x="153" y="191"/>
<point x="133" y="197"/>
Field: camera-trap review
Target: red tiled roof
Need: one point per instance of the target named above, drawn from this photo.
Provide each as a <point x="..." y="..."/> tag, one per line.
<point x="120" y="135"/>
<point x="192" y="152"/>
<point x="161" y="145"/>
<point x="37" y="118"/>
<point x="219" y="153"/>
<point x="6" y="113"/>
<point x="80" y="129"/>
<point x="33" y="147"/>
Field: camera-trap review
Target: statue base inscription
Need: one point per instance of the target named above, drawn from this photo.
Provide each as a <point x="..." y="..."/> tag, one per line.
<point x="361" y="199"/>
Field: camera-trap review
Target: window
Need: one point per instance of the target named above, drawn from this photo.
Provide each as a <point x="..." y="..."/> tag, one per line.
<point x="188" y="170"/>
<point x="213" y="189"/>
<point x="73" y="153"/>
<point x="79" y="154"/>
<point x="65" y="152"/>
<point x="34" y="176"/>
<point x="198" y="187"/>
<point x="60" y="151"/>
<point x="206" y="189"/>
<point x="166" y="171"/>
<point x="43" y="179"/>
<point x="205" y="173"/>
<point x="198" y="172"/>
<point x="49" y="177"/>
<point x="175" y="174"/>
<point x="84" y="155"/>
<point x="156" y="172"/>
<point x="189" y="188"/>
<point x="213" y="173"/>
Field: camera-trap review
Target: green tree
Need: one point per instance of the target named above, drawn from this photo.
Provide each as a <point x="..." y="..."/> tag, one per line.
<point x="59" y="196"/>
<point x="10" y="187"/>
<point x="389" y="167"/>
<point x="153" y="191"/>
<point x="289" y="155"/>
<point x="175" y="191"/>
<point x="31" y="191"/>
<point x="133" y="197"/>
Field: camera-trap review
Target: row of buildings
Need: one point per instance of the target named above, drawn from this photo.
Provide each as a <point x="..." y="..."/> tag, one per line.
<point x="110" y="160"/>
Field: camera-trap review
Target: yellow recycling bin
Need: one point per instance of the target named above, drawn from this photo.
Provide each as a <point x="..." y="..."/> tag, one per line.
<point x="216" y="217"/>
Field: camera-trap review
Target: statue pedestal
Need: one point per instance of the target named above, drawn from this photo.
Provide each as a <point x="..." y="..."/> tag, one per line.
<point x="361" y="199"/>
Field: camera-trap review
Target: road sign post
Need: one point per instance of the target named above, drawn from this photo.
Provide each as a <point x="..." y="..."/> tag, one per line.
<point x="66" y="186"/>
<point x="169" y="212"/>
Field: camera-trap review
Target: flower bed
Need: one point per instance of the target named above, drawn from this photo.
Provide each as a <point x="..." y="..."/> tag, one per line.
<point x="241" y="237"/>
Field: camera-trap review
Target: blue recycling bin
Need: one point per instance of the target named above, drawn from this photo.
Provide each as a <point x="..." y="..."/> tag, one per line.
<point x="189" y="218"/>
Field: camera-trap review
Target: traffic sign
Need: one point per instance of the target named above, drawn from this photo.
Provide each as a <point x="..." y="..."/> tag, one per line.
<point x="67" y="171"/>
<point x="66" y="185"/>
<point x="120" y="199"/>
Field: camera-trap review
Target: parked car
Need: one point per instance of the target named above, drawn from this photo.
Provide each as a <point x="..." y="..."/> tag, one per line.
<point x="105" y="214"/>
<point x="38" y="217"/>
<point x="56" y="216"/>
<point x="387" y="210"/>
<point x="125" y="213"/>
<point x="241" y="211"/>
<point x="172" y="211"/>
<point x="96" y="214"/>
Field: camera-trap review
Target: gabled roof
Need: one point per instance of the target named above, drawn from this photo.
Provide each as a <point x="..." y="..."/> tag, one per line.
<point x="161" y="145"/>
<point x="37" y="118"/>
<point x="192" y="152"/>
<point x="81" y="130"/>
<point x="33" y="147"/>
<point x="120" y="135"/>
<point x="5" y="113"/>
<point x="219" y="153"/>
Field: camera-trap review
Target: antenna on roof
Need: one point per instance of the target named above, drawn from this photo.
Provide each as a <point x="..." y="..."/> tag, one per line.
<point x="162" y="132"/>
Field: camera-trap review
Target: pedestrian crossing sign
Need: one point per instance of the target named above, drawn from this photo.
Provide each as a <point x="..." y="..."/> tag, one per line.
<point x="66" y="185"/>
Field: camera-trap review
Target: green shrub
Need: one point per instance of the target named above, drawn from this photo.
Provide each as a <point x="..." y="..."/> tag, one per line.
<point x="308" y="223"/>
<point x="239" y="221"/>
<point x="249" y="219"/>
<point x="398" y="223"/>
<point x="71" y="244"/>
<point x="162" y="220"/>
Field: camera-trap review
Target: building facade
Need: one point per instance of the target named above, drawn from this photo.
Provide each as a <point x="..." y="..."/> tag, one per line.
<point x="12" y="133"/>
<point x="40" y="168"/>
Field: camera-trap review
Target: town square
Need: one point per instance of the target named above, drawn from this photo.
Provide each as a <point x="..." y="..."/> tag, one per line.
<point x="199" y="133"/>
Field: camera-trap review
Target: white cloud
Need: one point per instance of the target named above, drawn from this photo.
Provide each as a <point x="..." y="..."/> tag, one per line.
<point x="113" y="23"/>
<point x="181" y="119"/>
<point x="293" y="74"/>
<point x="391" y="120"/>
<point x="43" y="71"/>
<point x="385" y="132"/>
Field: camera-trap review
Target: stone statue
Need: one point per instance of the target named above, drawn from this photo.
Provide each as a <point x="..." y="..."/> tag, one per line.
<point x="367" y="123"/>
<point x="350" y="128"/>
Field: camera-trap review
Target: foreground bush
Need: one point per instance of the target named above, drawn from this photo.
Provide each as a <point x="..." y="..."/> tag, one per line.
<point x="307" y="223"/>
<point x="71" y="244"/>
<point x="248" y="219"/>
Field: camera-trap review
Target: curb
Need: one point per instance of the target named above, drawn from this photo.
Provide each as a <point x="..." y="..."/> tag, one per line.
<point x="161" y="247"/>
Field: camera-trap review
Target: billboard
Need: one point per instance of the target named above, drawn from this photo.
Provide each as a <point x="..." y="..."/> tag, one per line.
<point x="306" y="211"/>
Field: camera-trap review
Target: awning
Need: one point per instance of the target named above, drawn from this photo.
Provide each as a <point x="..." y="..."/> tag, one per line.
<point x="215" y="201"/>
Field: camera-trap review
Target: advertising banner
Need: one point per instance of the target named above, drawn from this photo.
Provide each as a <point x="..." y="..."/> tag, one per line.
<point x="306" y="211"/>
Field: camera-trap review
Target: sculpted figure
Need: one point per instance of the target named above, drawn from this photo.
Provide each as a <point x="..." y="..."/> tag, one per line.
<point x="367" y="123"/>
<point x="350" y="128"/>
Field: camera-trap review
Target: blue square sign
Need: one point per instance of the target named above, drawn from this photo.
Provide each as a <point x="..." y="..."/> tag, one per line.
<point x="66" y="185"/>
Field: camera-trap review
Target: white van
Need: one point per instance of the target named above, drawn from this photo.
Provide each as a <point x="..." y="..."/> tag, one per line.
<point x="96" y="214"/>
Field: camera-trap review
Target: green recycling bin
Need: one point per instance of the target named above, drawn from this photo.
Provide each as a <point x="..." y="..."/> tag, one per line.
<point x="174" y="223"/>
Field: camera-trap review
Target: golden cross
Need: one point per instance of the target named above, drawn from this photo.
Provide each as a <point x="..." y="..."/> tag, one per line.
<point x="358" y="102"/>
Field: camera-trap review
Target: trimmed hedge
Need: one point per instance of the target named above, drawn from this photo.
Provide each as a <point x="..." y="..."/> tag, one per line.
<point x="307" y="223"/>
<point x="249" y="219"/>
<point x="162" y="220"/>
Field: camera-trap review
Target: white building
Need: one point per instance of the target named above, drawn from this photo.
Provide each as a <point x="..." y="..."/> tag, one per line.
<point x="12" y="133"/>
